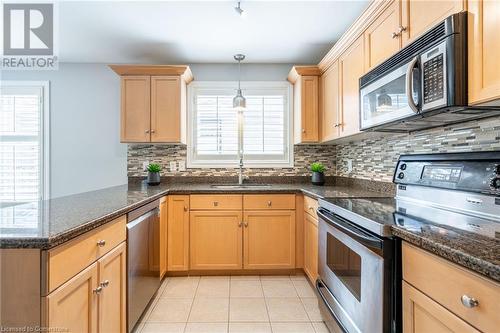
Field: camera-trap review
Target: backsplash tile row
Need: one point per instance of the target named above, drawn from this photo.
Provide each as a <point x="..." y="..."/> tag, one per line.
<point x="375" y="159"/>
<point x="163" y="154"/>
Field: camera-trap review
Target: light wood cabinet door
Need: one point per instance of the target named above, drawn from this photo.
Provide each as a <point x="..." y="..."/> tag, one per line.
<point x="135" y="109"/>
<point x="113" y="298"/>
<point x="311" y="247"/>
<point x="420" y="16"/>
<point x="484" y="51"/>
<point x="163" y="236"/>
<point x="215" y="240"/>
<point x="165" y="109"/>
<point x="309" y="109"/>
<point x="73" y="306"/>
<point x="178" y="233"/>
<point x="330" y="118"/>
<point x="351" y="64"/>
<point x="269" y="239"/>
<point x="421" y="314"/>
<point x="382" y="37"/>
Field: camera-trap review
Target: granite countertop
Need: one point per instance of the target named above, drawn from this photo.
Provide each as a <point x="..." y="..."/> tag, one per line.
<point x="48" y="223"/>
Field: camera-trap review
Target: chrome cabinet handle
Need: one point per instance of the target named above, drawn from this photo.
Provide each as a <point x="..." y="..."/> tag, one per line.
<point x="401" y="29"/>
<point x="337" y="125"/>
<point x="246" y="224"/>
<point x="469" y="302"/>
<point x="105" y="283"/>
<point x="101" y="243"/>
<point x="146" y="131"/>
<point x="395" y="35"/>
<point x="269" y="203"/>
<point x="97" y="290"/>
<point x="152" y="131"/>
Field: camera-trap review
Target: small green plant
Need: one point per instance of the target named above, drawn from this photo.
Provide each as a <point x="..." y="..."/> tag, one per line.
<point x="153" y="167"/>
<point x="317" y="167"/>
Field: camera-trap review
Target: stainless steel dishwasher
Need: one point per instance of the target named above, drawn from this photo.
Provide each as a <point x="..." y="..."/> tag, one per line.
<point x="143" y="262"/>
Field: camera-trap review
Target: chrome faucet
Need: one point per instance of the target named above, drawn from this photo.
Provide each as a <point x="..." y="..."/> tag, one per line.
<point x="240" y="175"/>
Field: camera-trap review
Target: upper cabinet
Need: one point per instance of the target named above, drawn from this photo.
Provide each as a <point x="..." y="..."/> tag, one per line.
<point x="153" y="103"/>
<point x="484" y="51"/>
<point x="305" y="80"/>
<point x="329" y="104"/>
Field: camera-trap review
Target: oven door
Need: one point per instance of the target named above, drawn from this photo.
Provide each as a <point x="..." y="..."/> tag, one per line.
<point x="393" y="96"/>
<point x="351" y="267"/>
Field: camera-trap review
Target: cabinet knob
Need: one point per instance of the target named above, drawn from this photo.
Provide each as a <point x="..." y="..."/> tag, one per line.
<point x="311" y="208"/>
<point x="395" y="35"/>
<point x="401" y="29"/>
<point x="245" y="224"/>
<point x="240" y="224"/>
<point x="105" y="283"/>
<point x="146" y="131"/>
<point x="303" y="130"/>
<point x="185" y="208"/>
<point x="216" y="204"/>
<point x="101" y="243"/>
<point x="269" y="203"/>
<point x="469" y="302"/>
<point x="97" y="290"/>
<point x="152" y="131"/>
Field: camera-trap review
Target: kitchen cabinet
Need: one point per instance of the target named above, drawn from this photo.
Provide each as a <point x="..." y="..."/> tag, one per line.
<point x="420" y="16"/>
<point x="383" y="37"/>
<point x="311" y="246"/>
<point x="269" y="239"/>
<point x="441" y="294"/>
<point x="163" y="236"/>
<point x="305" y="80"/>
<point x="216" y="239"/>
<point x="329" y="103"/>
<point x="178" y="233"/>
<point x="484" y="51"/>
<point x="153" y="103"/>
<point x="268" y="201"/>
<point x="351" y="64"/>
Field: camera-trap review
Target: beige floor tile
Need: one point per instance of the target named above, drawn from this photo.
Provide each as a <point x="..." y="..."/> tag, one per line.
<point x="206" y="328"/>
<point x="245" y="277"/>
<point x="286" y="310"/>
<point x="246" y="288"/>
<point x="292" y="328"/>
<point x="250" y="328"/>
<point x="278" y="288"/>
<point x="171" y="310"/>
<point x="213" y="287"/>
<point x="216" y="277"/>
<point x="248" y="309"/>
<point x="312" y="308"/>
<point x="320" y="327"/>
<point x="206" y="310"/>
<point x="304" y="289"/>
<point x="163" y="328"/>
<point x="275" y="277"/>
<point x="184" y="287"/>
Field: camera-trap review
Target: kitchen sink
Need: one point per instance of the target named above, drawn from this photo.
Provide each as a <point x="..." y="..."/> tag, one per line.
<point x="237" y="186"/>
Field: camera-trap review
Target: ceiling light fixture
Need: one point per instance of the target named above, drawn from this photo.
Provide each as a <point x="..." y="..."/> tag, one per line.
<point x="240" y="10"/>
<point x="239" y="102"/>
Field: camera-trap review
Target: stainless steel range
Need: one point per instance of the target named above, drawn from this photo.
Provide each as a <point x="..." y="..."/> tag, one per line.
<point x="359" y="259"/>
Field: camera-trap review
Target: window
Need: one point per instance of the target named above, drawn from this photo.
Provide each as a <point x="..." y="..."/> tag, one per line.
<point x="214" y="132"/>
<point x="23" y="141"/>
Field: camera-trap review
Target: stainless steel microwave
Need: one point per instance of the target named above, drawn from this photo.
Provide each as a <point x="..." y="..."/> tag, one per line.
<point x="424" y="85"/>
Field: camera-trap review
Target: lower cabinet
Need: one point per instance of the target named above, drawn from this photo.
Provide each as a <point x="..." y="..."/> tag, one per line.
<point x="216" y="240"/>
<point x="178" y="233"/>
<point x="269" y="239"/>
<point x="163" y="236"/>
<point x="93" y="300"/>
<point x="311" y="247"/>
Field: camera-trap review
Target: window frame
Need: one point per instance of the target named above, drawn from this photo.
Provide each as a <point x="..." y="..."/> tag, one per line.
<point x="224" y="87"/>
<point x="44" y="130"/>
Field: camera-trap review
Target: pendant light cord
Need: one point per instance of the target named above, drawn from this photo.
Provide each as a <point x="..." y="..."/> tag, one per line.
<point x="239" y="74"/>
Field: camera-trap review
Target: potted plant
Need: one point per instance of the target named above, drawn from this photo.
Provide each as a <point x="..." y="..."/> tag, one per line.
<point x="153" y="174"/>
<point x="318" y="173"/>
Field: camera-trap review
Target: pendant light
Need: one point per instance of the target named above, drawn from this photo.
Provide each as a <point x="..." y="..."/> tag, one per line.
<point x="239" y="102"/>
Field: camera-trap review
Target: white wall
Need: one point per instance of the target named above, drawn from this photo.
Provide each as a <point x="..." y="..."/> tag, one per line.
<point x="249" y="72"/>
<point x="85" y="149"/>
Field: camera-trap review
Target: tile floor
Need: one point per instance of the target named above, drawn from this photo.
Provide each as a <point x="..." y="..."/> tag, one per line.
<point x="234" y="304"/>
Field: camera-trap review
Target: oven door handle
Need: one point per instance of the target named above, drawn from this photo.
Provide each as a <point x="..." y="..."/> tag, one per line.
<point x="409" y="85"/>
<point x="319" y="286"/>
<point x="351" y="231"/>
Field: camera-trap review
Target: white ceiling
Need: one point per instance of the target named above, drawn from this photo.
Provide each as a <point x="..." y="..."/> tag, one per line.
<point x="299" y="32"/>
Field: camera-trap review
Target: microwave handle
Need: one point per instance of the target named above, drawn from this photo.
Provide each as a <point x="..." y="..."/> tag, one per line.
<point x="409" y="85"/>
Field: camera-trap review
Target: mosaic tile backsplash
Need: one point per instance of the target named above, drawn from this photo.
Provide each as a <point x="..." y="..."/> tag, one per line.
<point x="163" y="154"/>
<point x="373" y="159"/>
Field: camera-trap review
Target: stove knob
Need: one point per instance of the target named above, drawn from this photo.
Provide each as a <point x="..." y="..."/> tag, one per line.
<point x="401" y="175"/>
<point x="495" y="183"/>
<point x="403" y="166"/>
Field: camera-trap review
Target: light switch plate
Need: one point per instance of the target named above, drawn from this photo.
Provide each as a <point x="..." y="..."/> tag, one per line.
<point x="145" y="165"/>
<point x="173" y="166"/>
<point x="182" y="165"/>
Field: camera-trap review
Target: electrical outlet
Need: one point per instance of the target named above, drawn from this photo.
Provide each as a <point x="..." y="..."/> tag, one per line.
<point x="173" y="166"/>
<point x="182" y="165"/>
<point x="349" y="166"/>
<point x="145" y="165"/>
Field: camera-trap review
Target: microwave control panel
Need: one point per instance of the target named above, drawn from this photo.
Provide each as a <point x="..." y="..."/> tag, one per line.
<point x="433" y="81"/>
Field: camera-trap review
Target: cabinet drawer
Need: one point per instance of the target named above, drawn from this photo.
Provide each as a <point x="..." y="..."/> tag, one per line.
<point x="68" y="259"/>
<point x="216" y="201"/>
<point x="269" y="201"/>
<point x="446" y="283"/>
<point x="310" y="206"/>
